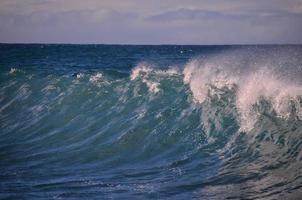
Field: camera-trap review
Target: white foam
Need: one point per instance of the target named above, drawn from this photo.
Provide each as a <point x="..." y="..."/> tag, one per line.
<point x="140" y="70"/>
<point x="13" y="70"/>
<point x="168" y="72"/>
<point x="264" y="84"/>
<point x="96" y="78"/>
<point x="206" y="79"/>
<point x="143" y="72"/>
<point x="202" y="77"/>
<point x="80" y="75"/>
<point x="153" y="87"/>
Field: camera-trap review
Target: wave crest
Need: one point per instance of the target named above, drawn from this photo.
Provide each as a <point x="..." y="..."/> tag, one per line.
<point x="207" y="79"/>
<point x="144" y="72"/>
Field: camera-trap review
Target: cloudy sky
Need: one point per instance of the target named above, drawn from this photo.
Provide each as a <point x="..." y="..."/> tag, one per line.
<point x="151" y="21"/>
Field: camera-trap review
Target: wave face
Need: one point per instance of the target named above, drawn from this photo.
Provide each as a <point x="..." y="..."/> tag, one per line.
<point x="105" y="121"/>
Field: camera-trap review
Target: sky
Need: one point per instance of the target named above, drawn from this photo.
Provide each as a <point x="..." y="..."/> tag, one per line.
<point x="151" y="21"/>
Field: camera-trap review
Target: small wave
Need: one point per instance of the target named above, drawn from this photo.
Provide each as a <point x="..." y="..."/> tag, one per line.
<point x="80" y="76"/>
<point x="140" y="70"/>
<point x="144" y="72"/>
<point x="96" y="78"/>
<point x="14" y="70"/>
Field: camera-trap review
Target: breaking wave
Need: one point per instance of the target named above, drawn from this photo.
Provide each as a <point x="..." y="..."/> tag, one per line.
<point x="249" y="88"/>
<point x="221" y="126"/>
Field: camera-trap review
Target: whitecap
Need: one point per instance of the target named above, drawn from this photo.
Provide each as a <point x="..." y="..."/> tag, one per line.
<point x="206" y="79"/>
<point x="140" y="70"/>
<point x="96" y="78"/>
<point x="80" y="75"/>
<point x="14" y="70"/>
<point x="151" y="76"/>
<point x="153" y="87"/>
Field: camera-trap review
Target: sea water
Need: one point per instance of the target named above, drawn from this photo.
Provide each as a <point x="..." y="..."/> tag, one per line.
<point x="150" y="122"/>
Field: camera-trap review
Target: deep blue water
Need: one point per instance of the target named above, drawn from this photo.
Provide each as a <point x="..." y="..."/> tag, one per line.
<point x="150" y="122"/>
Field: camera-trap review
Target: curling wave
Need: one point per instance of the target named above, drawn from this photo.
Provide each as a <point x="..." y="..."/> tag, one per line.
<point x="226" y="124"/>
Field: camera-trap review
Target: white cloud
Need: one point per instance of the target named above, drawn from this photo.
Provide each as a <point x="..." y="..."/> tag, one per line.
<point x="151" y="21"/>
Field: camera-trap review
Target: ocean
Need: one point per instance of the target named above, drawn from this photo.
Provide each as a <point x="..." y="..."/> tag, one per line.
<point x="150" y="122"/>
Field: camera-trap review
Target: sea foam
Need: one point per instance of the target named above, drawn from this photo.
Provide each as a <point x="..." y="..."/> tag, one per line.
<point x="95" y="78"/>
<point x="206" y="79"/>
<point x="144" y="72"/>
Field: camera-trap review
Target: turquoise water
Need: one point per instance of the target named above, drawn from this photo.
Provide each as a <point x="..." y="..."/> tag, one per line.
<point x="144" y="122"/>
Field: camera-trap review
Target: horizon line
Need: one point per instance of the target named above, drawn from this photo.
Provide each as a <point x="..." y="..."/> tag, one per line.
<point x="150" y="44"/>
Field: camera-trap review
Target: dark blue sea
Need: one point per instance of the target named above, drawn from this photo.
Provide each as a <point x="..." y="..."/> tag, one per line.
<point x="150" y="122"/>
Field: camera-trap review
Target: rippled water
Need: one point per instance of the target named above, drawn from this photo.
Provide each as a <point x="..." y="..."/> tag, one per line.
<point x="138" y="122"/>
